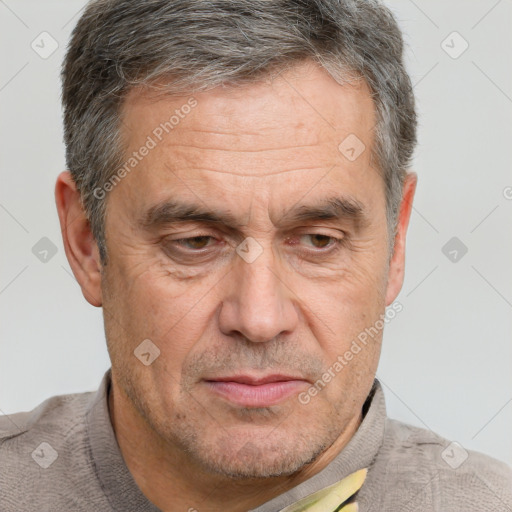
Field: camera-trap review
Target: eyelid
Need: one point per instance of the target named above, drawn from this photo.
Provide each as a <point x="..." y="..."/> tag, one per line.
<point x="322" y="230"/>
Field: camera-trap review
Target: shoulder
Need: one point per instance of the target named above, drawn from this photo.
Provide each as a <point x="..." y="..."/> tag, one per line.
<point x="57" y="413"/>
<point x="56" y="424"/>
<point x="40" y="450"/>
<point x="422" y="469"/>
<point x="53" y="410"/>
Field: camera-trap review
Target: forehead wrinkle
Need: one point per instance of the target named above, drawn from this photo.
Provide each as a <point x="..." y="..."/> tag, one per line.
<point x="301" y="161"/>
<point x="251" y="175"/>
<point x="183" y="155"/>
<point x="298" y="128"/>
<point x="231" y="150"/>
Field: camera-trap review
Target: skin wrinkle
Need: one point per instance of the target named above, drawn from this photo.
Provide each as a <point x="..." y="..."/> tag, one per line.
<point x="261" y="150"/>
<point x="286" y="312"/>
<point x="256" y="175"/>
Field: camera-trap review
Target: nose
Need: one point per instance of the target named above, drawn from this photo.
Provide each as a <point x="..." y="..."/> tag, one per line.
<point x="258" y="304"/>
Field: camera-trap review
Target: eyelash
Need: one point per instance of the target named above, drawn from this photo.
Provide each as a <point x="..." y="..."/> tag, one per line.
<point x="335" y="246"/>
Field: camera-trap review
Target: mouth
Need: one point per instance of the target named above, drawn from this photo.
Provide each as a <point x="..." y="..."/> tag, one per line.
<point x="250" y="391"/>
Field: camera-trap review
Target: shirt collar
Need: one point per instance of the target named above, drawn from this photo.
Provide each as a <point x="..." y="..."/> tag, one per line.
<point x="116" y="480"/>
<point x="124" y="494"/>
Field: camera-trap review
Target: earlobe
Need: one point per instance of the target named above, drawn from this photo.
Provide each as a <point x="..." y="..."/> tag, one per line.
<point x="397" y="263"/>
<point x="79" y="243"/>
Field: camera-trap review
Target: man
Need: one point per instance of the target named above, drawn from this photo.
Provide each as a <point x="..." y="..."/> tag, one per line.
<point x="237" y="202"/>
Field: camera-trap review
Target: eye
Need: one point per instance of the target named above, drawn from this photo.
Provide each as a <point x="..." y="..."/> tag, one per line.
<point x="320" y="241"/>
<point x="195" y="242"/>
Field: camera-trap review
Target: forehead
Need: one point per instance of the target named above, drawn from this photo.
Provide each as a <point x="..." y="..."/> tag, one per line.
<point x="275" y="139"/>
<point x="304" y="99"/>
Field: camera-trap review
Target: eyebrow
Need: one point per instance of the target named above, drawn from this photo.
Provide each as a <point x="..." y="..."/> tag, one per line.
<point x="175" y="211"/>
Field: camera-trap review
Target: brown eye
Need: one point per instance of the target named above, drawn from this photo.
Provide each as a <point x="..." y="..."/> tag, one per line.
<point x="320" y="241"/>
<point x="196" y="242"/>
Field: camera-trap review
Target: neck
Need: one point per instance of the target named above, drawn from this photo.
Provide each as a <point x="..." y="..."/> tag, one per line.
<point x="172" y="481"/>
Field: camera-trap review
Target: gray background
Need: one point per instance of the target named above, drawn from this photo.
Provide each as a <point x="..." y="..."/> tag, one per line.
<point x="447" y="357"/>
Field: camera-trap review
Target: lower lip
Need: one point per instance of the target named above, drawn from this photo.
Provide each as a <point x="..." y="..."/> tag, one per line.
<point x="263" y="395"/>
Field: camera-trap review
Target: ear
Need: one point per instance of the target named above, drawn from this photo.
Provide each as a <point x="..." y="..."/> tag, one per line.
<point x="397" y="263"/>
<point x="81" y="248"/>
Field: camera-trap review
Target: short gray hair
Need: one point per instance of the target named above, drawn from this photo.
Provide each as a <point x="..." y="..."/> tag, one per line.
<point x="200" y="44"/>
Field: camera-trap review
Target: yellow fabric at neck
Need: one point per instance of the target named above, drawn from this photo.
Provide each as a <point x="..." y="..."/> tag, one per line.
<point x="332" y="497"/>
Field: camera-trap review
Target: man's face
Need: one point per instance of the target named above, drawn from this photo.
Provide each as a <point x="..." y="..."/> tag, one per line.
<point x="243" y="334"/>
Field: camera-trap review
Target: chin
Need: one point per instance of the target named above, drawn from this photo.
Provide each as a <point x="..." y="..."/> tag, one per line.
<point x="253" y="457"/>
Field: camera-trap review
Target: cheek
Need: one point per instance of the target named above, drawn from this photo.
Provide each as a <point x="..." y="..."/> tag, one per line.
<point x="342" y="316"/>
<point x="354" y="290"/>
<point x="172" y="312"/>
<point x="350" y="338"/>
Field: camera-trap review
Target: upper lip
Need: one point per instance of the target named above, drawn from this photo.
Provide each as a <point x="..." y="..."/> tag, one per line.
<point x="255" y="381"/>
